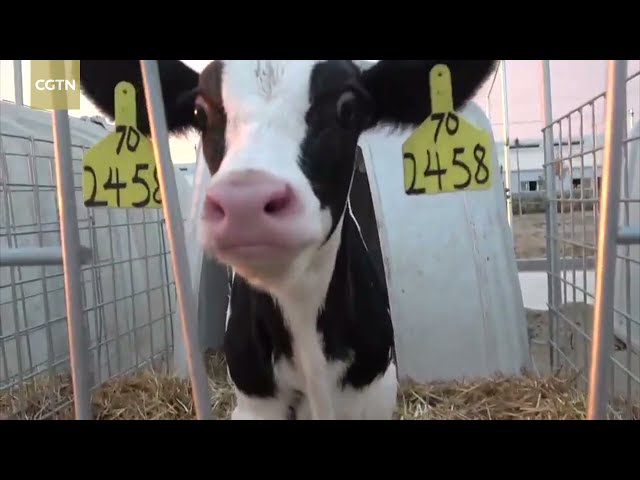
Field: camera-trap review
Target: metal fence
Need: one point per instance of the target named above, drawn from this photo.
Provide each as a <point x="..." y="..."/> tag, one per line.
<point x="127" y="287"/>
<point x="554" y="194"/>
<point x="109" y="310"/>
<point x="599" y="343"/>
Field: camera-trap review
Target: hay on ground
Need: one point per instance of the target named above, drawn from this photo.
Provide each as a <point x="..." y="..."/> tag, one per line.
<point x="152" y="396"/>
<point x="501" y="398"/>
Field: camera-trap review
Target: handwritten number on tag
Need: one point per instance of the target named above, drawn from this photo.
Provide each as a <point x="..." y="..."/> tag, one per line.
<point x="479" y="153"/>
<point x="123" y="161"/>
<point x="117" y="185"/>
<point x="138" y="179"/>
<point x="457" y="152"/>
<point x="129" y="137"/>
<point x="437" y="172"/>
<point x="156" y="192"/>
<point x="92" y="202"/>
<point x="412" y="190"/>
<point x="446" y="146"/>
<point x="451" y="123"/>
<point x="129" y="132"/>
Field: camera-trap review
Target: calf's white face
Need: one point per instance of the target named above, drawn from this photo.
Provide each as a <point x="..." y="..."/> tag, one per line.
<point x="280" y="139"/>
<point x="261" y="215"/>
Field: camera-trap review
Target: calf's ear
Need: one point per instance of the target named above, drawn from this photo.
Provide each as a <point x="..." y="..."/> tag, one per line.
<point x="98" y="79"/>
<point x="400" y="89"/>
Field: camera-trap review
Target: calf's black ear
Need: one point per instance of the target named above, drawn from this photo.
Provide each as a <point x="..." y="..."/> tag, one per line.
<point x="98" y="79"/>
<point x="400" y="89"/>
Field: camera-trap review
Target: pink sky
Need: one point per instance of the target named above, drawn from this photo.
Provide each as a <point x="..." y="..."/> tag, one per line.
<point x="573" y="83"/>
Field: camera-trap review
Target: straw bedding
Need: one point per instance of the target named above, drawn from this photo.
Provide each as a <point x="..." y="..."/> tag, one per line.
<point x="151" y="396"/>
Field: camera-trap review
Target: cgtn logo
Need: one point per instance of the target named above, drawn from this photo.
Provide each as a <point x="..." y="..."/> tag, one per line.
<point x="55" y="84"/>
<point x="52" y="85"/>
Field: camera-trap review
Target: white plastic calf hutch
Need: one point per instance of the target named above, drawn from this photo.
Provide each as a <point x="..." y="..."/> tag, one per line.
<point x="452" y="276"/>
<point x="451" y="270"/>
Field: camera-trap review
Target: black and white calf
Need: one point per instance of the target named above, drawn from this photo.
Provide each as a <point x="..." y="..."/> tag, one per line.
<point x="309" y="333"/>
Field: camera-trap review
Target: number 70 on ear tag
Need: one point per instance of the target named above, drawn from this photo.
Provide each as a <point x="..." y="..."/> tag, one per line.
<point x="120" y="170"/>
<point x="446" y="153"/>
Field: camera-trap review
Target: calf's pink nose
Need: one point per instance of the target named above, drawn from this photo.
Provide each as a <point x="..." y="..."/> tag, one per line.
<point x="247" y="198"/>
<point x="252" y="209"/>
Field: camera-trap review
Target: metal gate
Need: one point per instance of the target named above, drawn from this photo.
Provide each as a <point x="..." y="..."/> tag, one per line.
<point x="575" y="217"/>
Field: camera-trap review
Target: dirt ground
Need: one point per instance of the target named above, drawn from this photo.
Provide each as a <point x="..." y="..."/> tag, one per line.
<point x="529" y="234"/>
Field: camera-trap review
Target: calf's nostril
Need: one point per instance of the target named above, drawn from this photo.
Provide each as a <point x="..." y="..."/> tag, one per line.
<point x="213" y="209"/>
<point x="279" y="201"/>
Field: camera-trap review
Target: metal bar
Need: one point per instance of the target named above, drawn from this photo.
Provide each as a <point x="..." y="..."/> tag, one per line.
<point x="540" y="264"/>
<point x="133" y="318"/>
<point x="627" y="268"/>
<point x="113" y="265"/>
<point x="607" y="233"/>
<point x="180" y="261"/>
<point x="629" y="235"/>
<point x="17" y="81"/>
<point x="70" y="238"/>
<point x="505" y="129"/>
<point x="519" y="178"/>
<point x="552" y="222"/>
<point x="39" y="256"/>
<point x="147" y="281"/>
<point x="166" y="301"/>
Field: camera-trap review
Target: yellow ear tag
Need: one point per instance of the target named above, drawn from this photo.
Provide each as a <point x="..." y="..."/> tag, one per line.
<point x="446" y="153"/>
<point x="120" y="170"/>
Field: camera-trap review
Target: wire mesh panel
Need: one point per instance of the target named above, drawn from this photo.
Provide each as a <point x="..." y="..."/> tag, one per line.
<point x="128" y="291"/>
<point x="576" y="164"/>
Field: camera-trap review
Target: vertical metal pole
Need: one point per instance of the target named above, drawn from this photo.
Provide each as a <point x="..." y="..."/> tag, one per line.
<point x="505" y="129"/>
<point x="552" y="222"/>
<point x="179" y="259"/>
<point x="71" y="264"/>
<point x="607" y="241"/>
<point x="520" y="197"/>
<point x="17" y="81"/>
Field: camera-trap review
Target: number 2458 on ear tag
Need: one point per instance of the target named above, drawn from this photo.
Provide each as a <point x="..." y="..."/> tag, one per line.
<point x="446" y="153"/>
<point x="120" y="171"/>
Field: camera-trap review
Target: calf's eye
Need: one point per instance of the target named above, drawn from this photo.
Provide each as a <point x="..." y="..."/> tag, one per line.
<point x="346" y="109"/>
<point x="201" y="117"/>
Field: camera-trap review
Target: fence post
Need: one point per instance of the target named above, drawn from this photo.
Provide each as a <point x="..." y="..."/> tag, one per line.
<point x="505" y="130"/>
<point x="17" y="82"/>
<point x="70" y="237"/>
<point x="179" y="259"/>
<point x="602" y="345"/>
<point x="553" y="273"/>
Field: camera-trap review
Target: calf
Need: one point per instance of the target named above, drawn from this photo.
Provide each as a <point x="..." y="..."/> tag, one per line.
<point x="309" y="333"/>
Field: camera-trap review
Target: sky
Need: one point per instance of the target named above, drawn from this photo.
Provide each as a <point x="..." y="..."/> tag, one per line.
<point x="573" y="82"/>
